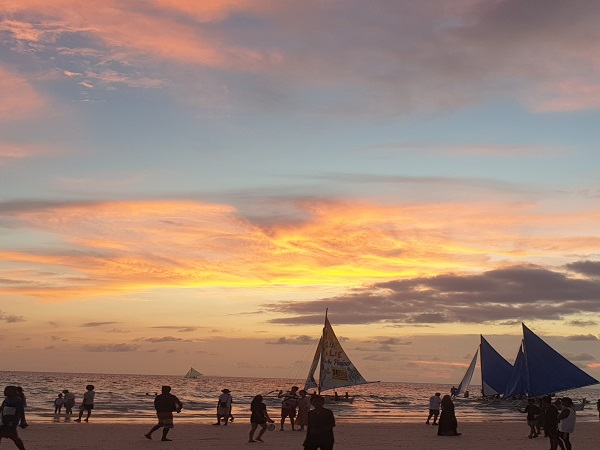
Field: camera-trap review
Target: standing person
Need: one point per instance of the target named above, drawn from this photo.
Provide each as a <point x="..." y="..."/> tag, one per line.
<point x="453" y="392"/>
<point x="165" y="404"/>
<point x="435" y="402"/>
<point x="289" y="405"/>
<point x="319" y="432"/>
<point x="258" y="416"/>
<point x="87" y="404"/>
<point x="551" y="422"/>
<point x="58" y="403"/>
<point x="448" y="424"/>
<point x="598" y="407"/>
<point x="224" y="406"/>
<point x="303" y="409"/>
<point x="566" y="423"/>
<point x="533" y="411"/>
<point x="69" y="399"/>
<point x="12" y="413"/>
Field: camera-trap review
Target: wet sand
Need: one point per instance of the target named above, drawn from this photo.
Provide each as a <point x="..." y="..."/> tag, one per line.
<point x="355" y="436"/>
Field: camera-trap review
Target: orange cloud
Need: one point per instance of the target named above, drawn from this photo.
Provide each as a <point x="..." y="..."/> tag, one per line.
<point x="134" y="246"/>
<point x="19" y="99"/>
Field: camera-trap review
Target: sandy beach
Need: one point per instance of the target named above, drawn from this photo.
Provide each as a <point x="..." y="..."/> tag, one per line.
<point x="355" y="436"/>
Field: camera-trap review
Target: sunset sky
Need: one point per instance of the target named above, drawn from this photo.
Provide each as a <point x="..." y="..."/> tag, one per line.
<point x="192" y="183"/>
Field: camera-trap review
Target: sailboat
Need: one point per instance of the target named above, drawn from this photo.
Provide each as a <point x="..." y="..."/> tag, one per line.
<point x="334" y="367"/>
<point x="192" y="373"/>
<point x="540" y="370"/>
<point x="495" y="371"/>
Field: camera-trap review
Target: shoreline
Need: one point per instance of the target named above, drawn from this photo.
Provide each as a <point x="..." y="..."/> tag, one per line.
<point x="349" y="436"/>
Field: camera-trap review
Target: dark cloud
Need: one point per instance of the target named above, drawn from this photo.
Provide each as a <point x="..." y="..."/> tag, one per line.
<point x="297" y="340"/>
<point x="506" y="295"/>
<point x="97" y="324"/>
<point x="10" y="318"/>
<point x="583" y="337"/>
<point x="580" y="357"/>
<point x="110" y="348"/>
<point x="582" y="323"/>
<point x="588" y="268"/>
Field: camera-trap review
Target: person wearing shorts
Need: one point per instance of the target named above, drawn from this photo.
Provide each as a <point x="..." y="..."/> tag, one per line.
<point x="289" y="405"/>
<point x="12" y="413"/>
<point x="165" y="404"/>
<point x="87" y="404"/>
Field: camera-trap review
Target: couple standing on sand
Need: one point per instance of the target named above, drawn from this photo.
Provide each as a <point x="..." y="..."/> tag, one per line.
<point x="448" y="424"/>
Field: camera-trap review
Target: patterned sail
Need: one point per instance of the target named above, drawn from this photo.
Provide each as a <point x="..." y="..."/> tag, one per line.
<point x="548" y="371"/>
<point x="495" y="370"/>
<point x="336" y="369"/>
<point x="466" y="381"/>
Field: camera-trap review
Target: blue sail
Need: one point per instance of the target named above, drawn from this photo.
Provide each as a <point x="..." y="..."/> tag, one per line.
<point x="548" y="371"/>
<point x="518" y="382"/>
<point x="495" y="370"/>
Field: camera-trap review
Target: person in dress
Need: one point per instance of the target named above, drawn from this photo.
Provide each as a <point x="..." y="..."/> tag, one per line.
<point x="69" y="401"/>
<point x="12" y="412"/>
<point x="303" y="409"/>
<point x="258" y="417"/>
<point x="319" y="431"/>
<point x="58" y="403"/>
<point x="435" y="402"/>
<point x="289" y="405"/>
<point x="448" y="424"/>
<point x="566" y="423"/>
<point x="165" y="403"/>
<point x="87" y="404"/>
<point x="224" y="406"/>
<point x="533" y="412"/>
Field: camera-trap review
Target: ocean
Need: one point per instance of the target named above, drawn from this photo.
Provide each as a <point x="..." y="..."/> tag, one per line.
<point x="130" y="398"/>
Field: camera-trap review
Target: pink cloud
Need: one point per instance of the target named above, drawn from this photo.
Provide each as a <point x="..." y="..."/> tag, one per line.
<point x="19" y="98"/>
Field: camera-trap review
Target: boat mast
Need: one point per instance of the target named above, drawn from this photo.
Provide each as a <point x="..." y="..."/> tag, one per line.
<point x="526" y="362"/>
<point x="322" y="352"/>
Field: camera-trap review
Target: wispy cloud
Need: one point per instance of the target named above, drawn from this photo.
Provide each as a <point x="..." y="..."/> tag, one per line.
<point x="10" y="318"/>
<point x="110" y="348"/>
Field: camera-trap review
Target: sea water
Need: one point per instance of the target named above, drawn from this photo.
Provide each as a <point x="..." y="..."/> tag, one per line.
<point x="130" y="398"/>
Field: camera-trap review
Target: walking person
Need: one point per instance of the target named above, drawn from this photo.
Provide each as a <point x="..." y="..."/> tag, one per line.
<point x="435" y="402"/>
<point x="289" y="405"/>
<point x="224" y="406"/>
<point x="12" y="413"/>
<point x="448" y="424"/>
<point x="319" y="432"/>
<point x="533" y="412"/>
<point x="566" y="423"/>
<point x="165" y="403"/>
<point x="258" y="417"/>
<point x="87" y="404"/>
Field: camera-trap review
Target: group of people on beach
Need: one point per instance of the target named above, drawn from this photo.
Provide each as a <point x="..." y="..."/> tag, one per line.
<point x="302" y="411"/>
<point x="67" y="399"/>
<point x="557" y="419"/>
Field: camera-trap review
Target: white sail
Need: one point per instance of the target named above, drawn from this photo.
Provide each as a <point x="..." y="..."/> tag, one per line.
<point x="193" y="373"/>
<point x="464" y="384"/>
<point x="311" y="383"/>
<point x="336" y="369"/>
